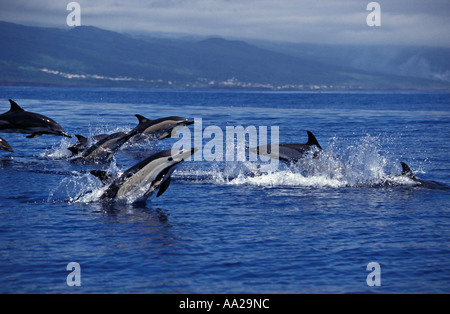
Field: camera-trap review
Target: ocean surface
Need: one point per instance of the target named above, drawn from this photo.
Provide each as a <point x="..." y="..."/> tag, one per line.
<point x="223" y="226"/>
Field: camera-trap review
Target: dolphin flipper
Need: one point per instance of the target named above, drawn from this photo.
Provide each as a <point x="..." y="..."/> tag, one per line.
<point x="160" y="183"/>
<point x="4" y="145"/>
<point x="34" y="135"/>
<point x="167" y="134"/>
<point x="164" y="187"/>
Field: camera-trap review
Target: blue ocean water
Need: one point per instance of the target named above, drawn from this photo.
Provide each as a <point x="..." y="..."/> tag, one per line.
<point x="219" y="228"/>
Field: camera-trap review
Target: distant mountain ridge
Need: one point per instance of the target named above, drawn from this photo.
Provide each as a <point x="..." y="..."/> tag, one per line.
<point x="410" y="61"/>
<point x="89" y="56"/>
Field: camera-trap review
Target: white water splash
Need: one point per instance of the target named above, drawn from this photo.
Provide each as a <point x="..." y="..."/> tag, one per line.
<point x="286" y="178"/>
<point x="59" y="151"/>
<point x="363" y="164"/>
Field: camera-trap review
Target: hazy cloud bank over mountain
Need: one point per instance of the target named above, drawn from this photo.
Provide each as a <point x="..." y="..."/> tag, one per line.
<point x="403" y="22"/>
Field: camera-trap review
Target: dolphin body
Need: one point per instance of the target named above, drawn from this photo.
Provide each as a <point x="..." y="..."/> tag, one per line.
<point x="17" y="120"/>
<point x="83" y="142"/>
<point x="287" y="153"/>
<point x="161" y="128"/>
<point x="139" y="182"/>
<point x="104" y="149"/>
<point x="4" y="145"/>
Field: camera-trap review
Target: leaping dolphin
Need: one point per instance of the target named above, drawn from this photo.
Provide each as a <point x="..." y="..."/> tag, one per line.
<point x="4" y="145"/>
<point x="161" y="128"/>
<point x="17" y="120"/>
<point x="139" y="182"/>
<point x="105" y="148"/>
<point x="287" y="153"/>
<point x="83" y="142"/>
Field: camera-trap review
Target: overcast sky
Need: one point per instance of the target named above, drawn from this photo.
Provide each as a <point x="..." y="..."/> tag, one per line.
<point x="412" y="22"/>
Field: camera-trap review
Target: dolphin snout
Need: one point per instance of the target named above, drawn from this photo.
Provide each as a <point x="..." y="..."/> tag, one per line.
<point x="66" y="134"/>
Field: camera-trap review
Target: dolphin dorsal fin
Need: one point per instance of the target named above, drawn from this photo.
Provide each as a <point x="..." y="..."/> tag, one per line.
<point x="15" y="106"/>
<point x="74" y="150"/>
<point x="141" y="119"/>
<point x="81" y="137"/>
<point x="406" y="171"/>
<point x="312" y="140"/>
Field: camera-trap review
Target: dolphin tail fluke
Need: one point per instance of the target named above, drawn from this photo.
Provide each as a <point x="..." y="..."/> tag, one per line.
<point x="15" y="106"/>
<point x="312" y="140"/>
<point x="406" y="171"/>
<point x="104" y="176"/>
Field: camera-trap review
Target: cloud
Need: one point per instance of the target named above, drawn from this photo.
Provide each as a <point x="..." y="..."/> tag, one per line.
<point x="413" y="22"/>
